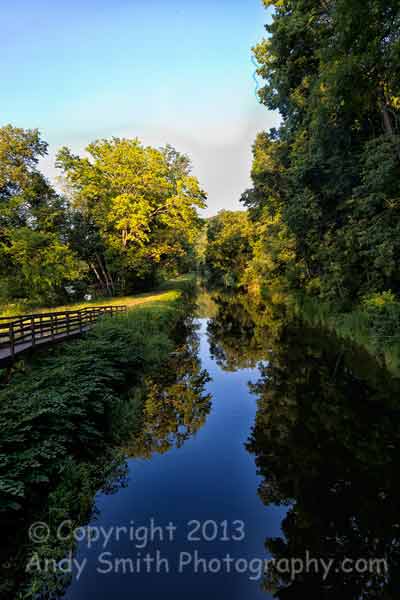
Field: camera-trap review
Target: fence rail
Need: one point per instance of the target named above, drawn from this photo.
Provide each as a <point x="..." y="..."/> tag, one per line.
<point x="21" y="332"/>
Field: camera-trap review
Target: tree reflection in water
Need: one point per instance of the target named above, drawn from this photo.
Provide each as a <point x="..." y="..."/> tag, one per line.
<point x="327" y="444"/>
<point x="237" y="332"/>
<point x="175" y="405"/>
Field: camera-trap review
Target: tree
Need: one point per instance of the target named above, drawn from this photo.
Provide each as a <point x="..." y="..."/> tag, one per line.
<point x="137" y="208"/>
<point x="35" y="259"/>
<point x="325" y="184"/>
<point x="228" y="247"/>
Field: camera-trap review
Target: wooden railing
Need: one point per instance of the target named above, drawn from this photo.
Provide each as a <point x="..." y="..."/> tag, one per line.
<point x="25" y="331"/>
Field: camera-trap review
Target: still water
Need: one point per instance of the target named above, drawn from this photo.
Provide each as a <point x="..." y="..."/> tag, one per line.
<point x="275" y="442"/>
<point x="211" y="479"/>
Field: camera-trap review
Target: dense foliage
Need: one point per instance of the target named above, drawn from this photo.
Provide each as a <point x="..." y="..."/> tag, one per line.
<point x="228" y="247"/>
<point x="35" y="258"/>
<point x="128" y="214"/>
<point x="65" y="401"/>
<point x="134" y="209"/>
<point x="325" y="199"/>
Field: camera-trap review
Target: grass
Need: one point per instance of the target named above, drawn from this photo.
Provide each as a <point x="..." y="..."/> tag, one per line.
<point x="150" y="297"/>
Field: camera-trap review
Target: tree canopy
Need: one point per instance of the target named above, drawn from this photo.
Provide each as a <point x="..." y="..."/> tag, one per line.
<point x="228" y="247"/>
<point x="35" y="258"/>
<point x="136" y="206"/>
<point x="128" y="214"/>
<point x="325" y="196"/>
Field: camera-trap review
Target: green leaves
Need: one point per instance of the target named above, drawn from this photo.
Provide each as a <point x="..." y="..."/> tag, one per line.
<point x="39" y="262"/>
<point x="330" y="174"/>
<point x="142" y="202"/>
<point x="34" y="258"/>
<point x="131" y="212"/>
<point x="229" y="238"/>
<point x="63" y="408"/>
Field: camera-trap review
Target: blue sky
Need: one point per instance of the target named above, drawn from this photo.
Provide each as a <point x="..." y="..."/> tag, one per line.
<point x="176" y="71"/>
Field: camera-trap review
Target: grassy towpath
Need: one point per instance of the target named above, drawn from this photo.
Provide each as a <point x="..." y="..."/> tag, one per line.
<point x="150" y="297"/>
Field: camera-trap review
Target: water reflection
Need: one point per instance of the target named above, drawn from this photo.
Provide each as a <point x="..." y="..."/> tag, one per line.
<point x="236" y="338"/>
<point x="71" y="503"/>
<point x="209" y="477"/>
<point x="327" y="444"/>
<point x="175" y="405"/>
<point x="326" y="441"/>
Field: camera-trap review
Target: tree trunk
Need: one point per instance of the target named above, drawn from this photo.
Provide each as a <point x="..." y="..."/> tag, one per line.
<point x="103" y="284"/>
<point x="387" y="123"/>
<point x="107" y="277"/>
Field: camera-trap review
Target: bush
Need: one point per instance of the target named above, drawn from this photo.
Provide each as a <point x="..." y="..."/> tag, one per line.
<point x="68" y="403"/>
<point x="383" y="311"/>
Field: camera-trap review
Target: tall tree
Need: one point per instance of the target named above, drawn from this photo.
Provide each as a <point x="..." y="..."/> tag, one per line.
<point x="330" y="172"/>
<point x="228" y="247"/>
<point x="136" y="207"/>
<point x="35" y="260"/>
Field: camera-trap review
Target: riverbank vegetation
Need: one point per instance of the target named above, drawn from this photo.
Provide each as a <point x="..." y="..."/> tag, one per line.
<point x="85" y="377"/>
<point x="325" y="201"/>
<point x="65" y="414"/>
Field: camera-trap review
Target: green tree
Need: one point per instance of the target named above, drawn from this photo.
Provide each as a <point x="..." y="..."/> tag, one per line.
<point x="228" y="249"/>
<point x="35" y="260"/>
<point x="137" y="208"/>
<point x="325" y="184"/>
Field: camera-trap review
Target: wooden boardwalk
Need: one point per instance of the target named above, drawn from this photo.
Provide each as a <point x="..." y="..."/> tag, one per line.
<point x="21" y="333"/>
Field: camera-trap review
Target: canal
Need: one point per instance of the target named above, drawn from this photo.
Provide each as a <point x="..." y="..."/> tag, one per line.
<point x="270" y="466"/>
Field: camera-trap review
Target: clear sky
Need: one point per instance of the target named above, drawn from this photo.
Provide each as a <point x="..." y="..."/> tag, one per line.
<point x="166" y="71"/>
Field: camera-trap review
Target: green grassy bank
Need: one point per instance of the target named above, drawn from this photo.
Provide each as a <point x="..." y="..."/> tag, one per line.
<point x="63" y="417"/>
<point x="23" y="308"/>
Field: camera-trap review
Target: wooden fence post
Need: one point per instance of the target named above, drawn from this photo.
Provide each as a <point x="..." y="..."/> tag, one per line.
<point x="33" y="331"/>
<point x="12" y="339"/>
